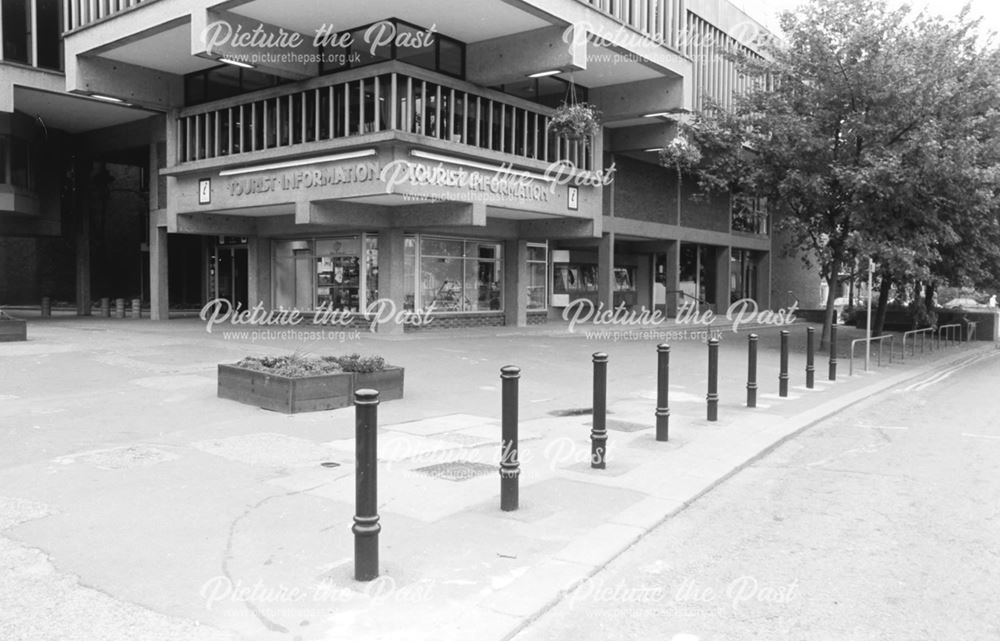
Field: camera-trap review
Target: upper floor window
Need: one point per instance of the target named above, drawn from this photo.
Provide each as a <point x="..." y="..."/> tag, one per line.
<point x="547" y="90"/>
<point x="393" y="39"/>
<point x="31" y="32"/>
<point x="225" y="81"/>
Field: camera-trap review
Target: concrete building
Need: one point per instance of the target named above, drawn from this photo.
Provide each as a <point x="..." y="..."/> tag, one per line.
<point x="327" y="155"/>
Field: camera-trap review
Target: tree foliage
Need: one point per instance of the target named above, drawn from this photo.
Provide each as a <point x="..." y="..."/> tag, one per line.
<point x="871" y="132"/>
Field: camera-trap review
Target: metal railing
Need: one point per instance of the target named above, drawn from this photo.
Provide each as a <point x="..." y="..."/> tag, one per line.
<point x="80" y="13"/>
<point x="881" y="341"/>
<point x="923" y="333"/>
<point x="386" y="97"/>
<point x="951" y="333"/>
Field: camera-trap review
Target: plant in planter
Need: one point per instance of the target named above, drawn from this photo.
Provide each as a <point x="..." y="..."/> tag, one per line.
<point x="12" y="329"/>
<point x="298" y="383"/>
<point x="575" y="120"/>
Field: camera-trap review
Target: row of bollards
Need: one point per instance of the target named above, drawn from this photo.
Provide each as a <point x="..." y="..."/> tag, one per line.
<point x="366" y="525"/>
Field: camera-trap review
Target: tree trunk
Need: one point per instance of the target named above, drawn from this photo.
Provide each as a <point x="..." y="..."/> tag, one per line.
<point x="883" y="303"/>
<point x="850" y="300"/>
<point x="828" y="318"/>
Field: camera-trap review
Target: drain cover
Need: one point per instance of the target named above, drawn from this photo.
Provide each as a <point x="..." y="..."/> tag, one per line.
<point x="457" y="470"/>
<point x="574" y="411"/>
<point x="329" y="464"/>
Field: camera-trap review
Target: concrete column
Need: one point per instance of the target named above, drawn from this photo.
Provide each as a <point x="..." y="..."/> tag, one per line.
<point x="763" y="264"/>
<point x="258" y="271"/>
<point x="606" y="270"/>
<point x="391" y="249"/>
<point x="515" y="283"/>
<point x="159" y="303"/>
<point x="673" y="274"/>
<point x="722" y="279"/>
<point x="83" y="294"/>
<point x="644" y="282"/>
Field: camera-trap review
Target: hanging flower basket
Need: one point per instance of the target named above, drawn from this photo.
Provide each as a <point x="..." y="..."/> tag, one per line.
<point x="680" y="153"/>
<point x="575" y="121"/>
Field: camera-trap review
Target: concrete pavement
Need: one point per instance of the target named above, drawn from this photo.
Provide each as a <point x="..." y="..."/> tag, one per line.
<point x="147" y="508"/>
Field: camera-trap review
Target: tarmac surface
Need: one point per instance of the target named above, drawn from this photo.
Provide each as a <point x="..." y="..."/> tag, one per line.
<point x="135" y="504"/>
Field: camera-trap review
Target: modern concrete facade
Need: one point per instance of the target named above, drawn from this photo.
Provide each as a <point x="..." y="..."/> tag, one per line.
<point x="325" y="156"/>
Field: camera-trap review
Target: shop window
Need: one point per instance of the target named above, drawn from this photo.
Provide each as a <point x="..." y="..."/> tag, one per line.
<point x="410" y="273"/>
<point x="338" y="274"/>
<point x="538" y="264"/>
<point x="371" y="269"/>
<point x="460" y="276"/>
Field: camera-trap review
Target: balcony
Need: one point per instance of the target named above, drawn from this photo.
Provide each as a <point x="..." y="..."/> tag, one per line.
<point x="80" y="13"/>
<point x="384" y="98"/>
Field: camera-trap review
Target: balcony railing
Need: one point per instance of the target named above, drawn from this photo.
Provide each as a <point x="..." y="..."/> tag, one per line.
<point x="661" y="20"/>
<point x="389" y="97"/>
<point x="80" y="13"/>
<point x="749" y="215"/>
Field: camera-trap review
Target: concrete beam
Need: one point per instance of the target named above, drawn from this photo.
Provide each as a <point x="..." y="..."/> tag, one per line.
<point x="138" y="85"/>
<point x="559" y="228"/>
<point x="638" y="138"/>
<point x="213" y="33"/>
<point x="510" y="58"/>
<point x="341" y="214"/>
<point x="440" y="214"/>
<point x="215" y="225"/>
<point x="634" y="99"/>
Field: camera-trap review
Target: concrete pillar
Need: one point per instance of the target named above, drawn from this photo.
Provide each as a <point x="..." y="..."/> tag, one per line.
<point x="83" y="294"/>
<point x="763" y="285"/>
<point x="673" y="274"/>
<point x="723" y="270"/>
<point x="606" y="271"/>
<point x="391" y="286"/>
<point x="515" y="283"/>
<point x="159" y="303"/>
<point x="258" y="271"/>
<point x="644" y="282"/>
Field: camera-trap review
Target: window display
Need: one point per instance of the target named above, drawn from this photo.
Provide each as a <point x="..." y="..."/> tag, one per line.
<point x="460" y="276"/>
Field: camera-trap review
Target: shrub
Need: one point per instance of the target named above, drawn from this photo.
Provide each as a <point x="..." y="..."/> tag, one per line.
<point x="358" y="363"/>
<point x="297" y="365"/>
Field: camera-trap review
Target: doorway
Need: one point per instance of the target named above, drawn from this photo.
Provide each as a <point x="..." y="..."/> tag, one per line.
<point x="229" y="274"/>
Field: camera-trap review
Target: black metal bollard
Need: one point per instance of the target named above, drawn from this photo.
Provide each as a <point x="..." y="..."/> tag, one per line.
<point x="46" y="306"/>
<point x="783" y="374"/>
<point x="136" y="308"/>
<point x="106" y="307"/>
<point x="833" y="352"/>
<point x="662" y="389"/>
<point x="713" y="379"/>
<point x="810" y="357"/>
<point x="510" y="466"/>
<point x="599" y="431"/>
<point x="119" y="308"/>
<point x="366" y="526"/>
<point x="752" y="370"/>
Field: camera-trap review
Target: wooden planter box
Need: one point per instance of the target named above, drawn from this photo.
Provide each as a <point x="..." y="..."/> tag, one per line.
<point x="305" y="393"/>
<point x="388" y="382"/>
<point x="13" y="330"/>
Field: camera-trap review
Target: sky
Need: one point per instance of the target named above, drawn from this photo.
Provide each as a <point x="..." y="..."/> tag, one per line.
<point x="766" y="11"/>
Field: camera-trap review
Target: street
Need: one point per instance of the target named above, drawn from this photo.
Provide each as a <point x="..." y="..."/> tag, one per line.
<point x="879" y="523"/>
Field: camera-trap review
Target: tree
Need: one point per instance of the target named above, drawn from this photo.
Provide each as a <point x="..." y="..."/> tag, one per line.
<point x="867" y="132"/>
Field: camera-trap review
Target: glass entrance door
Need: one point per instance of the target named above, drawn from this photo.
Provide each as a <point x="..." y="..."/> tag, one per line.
<point x="231" y="279"/>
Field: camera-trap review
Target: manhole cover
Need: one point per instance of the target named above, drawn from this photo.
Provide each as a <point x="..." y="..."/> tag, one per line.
<point x="574" y="411"/>
<point x="457" y="470"/>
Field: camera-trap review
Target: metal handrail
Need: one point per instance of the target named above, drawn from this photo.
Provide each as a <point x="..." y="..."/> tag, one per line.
<point x="880" y="339"/>
<point x="950" y="334"/>
<point x="923" y="339"/>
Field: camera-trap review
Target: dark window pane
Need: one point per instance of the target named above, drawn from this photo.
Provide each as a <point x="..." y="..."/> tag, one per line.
<point x="365" y="47"/>
<point x="16" y="30"/>
<point x="3" y="159"/>
<point x="223" y="82"/>
<point x="20" y="164"/>
<point x="452" y="56"/>
<point x="413" y="47"/>
<point x="47" y="28"/>
<point x="194" y="89"/>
